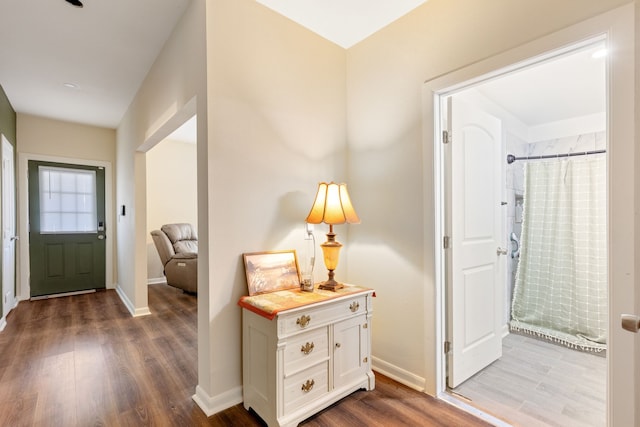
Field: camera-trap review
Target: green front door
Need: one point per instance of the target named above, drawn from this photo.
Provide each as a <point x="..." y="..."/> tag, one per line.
<point x="66" y="228"/>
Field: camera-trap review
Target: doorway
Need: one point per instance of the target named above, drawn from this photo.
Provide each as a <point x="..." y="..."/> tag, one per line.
<point x="477" y="330"/>
<point x="170" y="157"/>
<point x="171" y="188"/>
<point x="67" y="228"/>
<point x="24" y="286"/>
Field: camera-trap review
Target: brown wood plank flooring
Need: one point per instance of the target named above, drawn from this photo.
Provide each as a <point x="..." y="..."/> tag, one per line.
<point x="84" y="361"/>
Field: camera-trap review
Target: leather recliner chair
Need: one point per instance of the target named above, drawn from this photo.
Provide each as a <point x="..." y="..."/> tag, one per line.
<point x="177" y="245"/>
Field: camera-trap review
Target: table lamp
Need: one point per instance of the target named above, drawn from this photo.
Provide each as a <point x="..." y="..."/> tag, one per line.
<point x="332" y="206"/>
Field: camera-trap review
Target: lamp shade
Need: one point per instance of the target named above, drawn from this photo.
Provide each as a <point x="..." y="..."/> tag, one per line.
<point x="332" y="205"/>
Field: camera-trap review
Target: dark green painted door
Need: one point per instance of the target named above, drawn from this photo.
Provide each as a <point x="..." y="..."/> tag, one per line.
<point x="66" y="228"/>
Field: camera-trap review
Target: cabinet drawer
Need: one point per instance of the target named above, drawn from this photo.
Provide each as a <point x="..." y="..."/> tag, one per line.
<point x="306" y="386"/>
<point x="311" y="318"/>
<point x="306" y="349"/>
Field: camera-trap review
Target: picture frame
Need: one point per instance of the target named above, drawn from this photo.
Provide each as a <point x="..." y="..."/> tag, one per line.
<point x="271" y="271"/>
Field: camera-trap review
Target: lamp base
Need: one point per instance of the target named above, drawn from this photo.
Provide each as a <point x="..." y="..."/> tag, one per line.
<point x="330" y="285"/>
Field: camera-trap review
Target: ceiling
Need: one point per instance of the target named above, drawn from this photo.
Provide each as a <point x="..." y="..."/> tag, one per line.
<point x="344" y="22"/>
<point x="104" y="50"/>
<point x="570" y="86"/>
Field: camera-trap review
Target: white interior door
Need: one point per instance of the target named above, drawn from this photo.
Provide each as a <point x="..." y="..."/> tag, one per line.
<point x="474" y="285"/>
<point x="8" y="228"/>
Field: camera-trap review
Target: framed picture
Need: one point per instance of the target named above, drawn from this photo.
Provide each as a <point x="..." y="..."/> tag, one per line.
<point x="271" y="271"/>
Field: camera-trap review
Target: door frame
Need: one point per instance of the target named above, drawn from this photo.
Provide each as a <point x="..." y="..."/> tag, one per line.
<point x="617" y="28"/>
<point x="23" y="283"/>
<point x="10" y="304"/>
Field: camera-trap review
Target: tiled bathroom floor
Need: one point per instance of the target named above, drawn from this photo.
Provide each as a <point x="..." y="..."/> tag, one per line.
<point x="536" y="383"/>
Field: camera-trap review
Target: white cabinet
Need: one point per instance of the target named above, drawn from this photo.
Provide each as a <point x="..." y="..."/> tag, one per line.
<point x="297" y="361"/>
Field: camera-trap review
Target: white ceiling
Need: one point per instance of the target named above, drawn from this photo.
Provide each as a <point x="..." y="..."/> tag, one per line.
<point x="344" y="22"/>
<point x="567" y="87"/>
<point x="106" y="48"/>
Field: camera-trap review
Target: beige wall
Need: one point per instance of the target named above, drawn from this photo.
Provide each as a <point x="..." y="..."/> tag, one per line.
<point x="390" y="161"/>
<point x="273" y="125"/>
<point x="171" y="193"/>
<point x="277" y="126"/>
<point x="40" y="137"/>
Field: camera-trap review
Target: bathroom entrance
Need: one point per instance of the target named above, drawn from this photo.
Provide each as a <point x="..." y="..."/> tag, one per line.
<point x="520" y="320"/>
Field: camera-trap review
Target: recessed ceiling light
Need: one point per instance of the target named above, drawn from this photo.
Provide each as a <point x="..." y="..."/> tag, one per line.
<point x="600" y="53"/>
<point x="70" y="85"/>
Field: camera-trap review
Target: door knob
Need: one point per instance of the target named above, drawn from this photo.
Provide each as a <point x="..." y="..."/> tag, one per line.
<point x="630" y="322"/>
<point x="501" y="251"/>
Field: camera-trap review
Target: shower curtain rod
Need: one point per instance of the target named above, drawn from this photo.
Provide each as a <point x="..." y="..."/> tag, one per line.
<point x="511" y="158"/>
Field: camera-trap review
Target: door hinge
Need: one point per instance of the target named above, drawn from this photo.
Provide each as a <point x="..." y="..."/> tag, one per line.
<point x="445" y="242"/>
<point x="447" y="347"/>
<point x="445" y="137"/>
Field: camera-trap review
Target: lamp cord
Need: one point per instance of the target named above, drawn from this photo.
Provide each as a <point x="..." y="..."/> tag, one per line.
<point x="313" y="258"/>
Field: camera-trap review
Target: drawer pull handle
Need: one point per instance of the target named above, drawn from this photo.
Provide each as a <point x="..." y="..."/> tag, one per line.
<point x="306" y="387"/>
<point x="307" y="348"/>
<point x="338" y="345"/>
<point x="303" y="321"/>
<point x="354" y="306"/>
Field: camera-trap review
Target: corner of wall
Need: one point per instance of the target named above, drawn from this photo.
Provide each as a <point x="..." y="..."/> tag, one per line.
<point x="213" y="404"/>
<point x="135" y="312"/>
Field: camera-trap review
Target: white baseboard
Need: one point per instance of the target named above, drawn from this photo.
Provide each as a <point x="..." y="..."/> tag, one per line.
<point x="505" y="330"/>
<point x="3" y="320"/>
<point x="398" y="374"/>
<point x="12" y="304"/>
<point x="135" y="312"/>
<point x="213" y="404"/>
<point x="157" y="281"/>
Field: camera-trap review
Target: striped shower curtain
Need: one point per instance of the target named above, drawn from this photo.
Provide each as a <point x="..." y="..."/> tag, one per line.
<point x="561" y="282"/>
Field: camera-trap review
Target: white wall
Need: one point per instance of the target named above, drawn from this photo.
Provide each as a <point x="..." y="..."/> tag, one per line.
<point x="172" y="195"/>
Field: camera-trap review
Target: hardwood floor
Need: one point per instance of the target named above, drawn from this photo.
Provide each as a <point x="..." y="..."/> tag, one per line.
<point x="84" y="361"/>
<point x="537" y="383"/>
